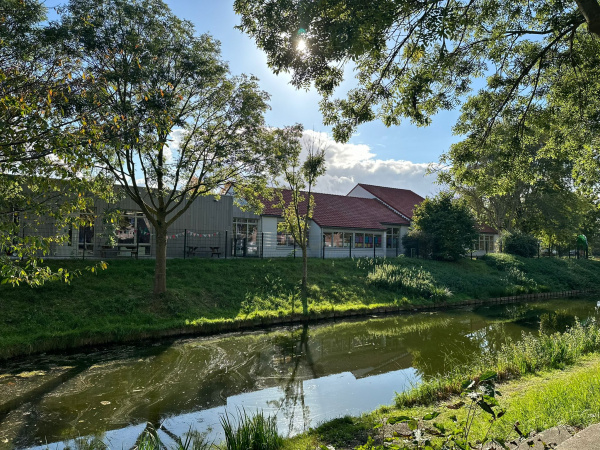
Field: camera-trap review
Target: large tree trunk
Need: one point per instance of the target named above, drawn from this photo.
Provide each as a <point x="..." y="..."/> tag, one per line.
<point x="304" y="281"/>
<point x="160" y="268"/>
<point x="591" y="12"/>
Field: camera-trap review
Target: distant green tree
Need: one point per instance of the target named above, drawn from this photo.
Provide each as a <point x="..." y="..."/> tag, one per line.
<point x="299" y="177"/>
<point x="520" y="244"/>
<point x="443" y="226"/>
<point x="513" y="183"/>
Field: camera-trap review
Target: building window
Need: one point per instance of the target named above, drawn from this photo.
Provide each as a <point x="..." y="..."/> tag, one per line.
<point x="393" y="238"/>
<point x="485" y="243"/>
<point x="337" y="240"/>
<point x="359" y="240"/>
<point x="283" y="237"/>
<point x="134" y="231"/>
<point x="86" y="233"/>
<point x="246" y="236"/>
<point x="342" y="240"/>
<point x="377" y="239"/>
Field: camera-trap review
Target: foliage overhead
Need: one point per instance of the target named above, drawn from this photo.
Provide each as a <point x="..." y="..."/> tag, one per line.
<point x="413" y="59"/>
<point x="45" y="177"/>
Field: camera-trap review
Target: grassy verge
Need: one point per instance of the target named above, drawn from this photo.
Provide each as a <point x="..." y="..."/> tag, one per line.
<point x="546" y="388"/>
<point x="117" y="304"/>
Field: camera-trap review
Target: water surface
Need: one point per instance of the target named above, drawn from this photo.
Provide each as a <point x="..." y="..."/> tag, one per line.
<point x="304" y="375"/>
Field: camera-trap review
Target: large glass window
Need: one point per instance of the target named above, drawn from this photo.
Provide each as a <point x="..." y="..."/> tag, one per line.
<point x="246" y="235"/>
<point x="341" y="239"/>
<point x="359" y="240"/>
<point x="86" y="233"/>
<point x="377" y="240"/>
<point x="134" y="231"/>
<point x="485" y="243"/>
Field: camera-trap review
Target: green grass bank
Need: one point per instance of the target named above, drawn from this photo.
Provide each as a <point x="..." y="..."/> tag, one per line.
<point x="204" y="295"/>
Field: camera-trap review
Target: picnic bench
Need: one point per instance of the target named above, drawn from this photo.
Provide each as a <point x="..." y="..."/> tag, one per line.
<point x="203" y="251"/>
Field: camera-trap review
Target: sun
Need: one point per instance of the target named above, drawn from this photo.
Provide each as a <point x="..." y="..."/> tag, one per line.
<point x="301" y="46"/>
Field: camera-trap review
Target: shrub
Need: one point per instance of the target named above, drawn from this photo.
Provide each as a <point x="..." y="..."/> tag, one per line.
<point x="520" y="244"/>
<point x="444" y="227"/>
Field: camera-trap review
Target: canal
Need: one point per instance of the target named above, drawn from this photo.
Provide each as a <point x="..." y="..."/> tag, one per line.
<point x="304" y="374"/>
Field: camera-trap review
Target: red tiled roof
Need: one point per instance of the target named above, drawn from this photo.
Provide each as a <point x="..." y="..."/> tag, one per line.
<point x="483" y="228"/>
<point x="341" y="211"/>
<point x="402" y="200"/>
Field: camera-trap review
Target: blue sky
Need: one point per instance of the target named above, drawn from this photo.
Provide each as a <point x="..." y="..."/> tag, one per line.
<point x="395" y="157"/>
<point x="406" y="142"/>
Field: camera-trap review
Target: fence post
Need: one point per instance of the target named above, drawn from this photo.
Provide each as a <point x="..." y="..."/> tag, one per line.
<point x="137" y="243"/>
<point x="262" y="244"/>
<point x="350" y="246"/>
<point x="374" y="248"/>
<point x="225" y="244"/>
<point x="397" y="244"/>
<point x="294" y="248"/>
<point x="323" y="240"/>
<point x="184" y="242"/>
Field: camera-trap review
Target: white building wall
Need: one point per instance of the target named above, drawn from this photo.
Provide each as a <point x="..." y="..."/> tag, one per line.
<point x="315" y="238"/>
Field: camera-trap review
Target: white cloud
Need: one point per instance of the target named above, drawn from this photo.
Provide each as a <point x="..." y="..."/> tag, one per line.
<point x="349" y="164"/>
<point x="173" y="143"/>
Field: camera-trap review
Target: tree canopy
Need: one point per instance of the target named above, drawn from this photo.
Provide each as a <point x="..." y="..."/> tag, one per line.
<point x="172" y="123"/>
<point x="414" y="58"/>
<point x="45" y="177"/>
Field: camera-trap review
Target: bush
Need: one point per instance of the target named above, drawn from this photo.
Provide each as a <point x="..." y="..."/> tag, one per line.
<point x="520" y="244"/>
<point x="443" y="227"/>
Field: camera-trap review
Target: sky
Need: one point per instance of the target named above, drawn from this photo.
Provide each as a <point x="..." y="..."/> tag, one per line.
<point x="396" y="156"/>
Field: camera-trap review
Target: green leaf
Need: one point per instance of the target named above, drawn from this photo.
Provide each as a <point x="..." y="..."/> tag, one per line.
<point x="431" y="415"/>
<point x="489" y="375"/>
<point x="487" y="408"/>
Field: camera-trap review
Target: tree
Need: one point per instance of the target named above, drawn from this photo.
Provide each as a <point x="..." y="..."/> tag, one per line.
<point x="414" y="58"/>
<point x="299" y="177"/>
<point x="520" y="244"/>
<point x="444" y="227"/>
<point x="514" y="183"/>
<point x="155" y="81"/>
<point x="45" y="178"/>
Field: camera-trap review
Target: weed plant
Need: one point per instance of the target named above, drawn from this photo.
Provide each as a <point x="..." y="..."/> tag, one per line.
<point x="255" y="432"/>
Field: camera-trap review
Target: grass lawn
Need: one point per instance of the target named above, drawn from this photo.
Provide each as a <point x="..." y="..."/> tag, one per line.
<point x="117" y="303"/>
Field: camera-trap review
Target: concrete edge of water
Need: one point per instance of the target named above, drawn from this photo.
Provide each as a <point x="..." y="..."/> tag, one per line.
<point x="257" y="323"/>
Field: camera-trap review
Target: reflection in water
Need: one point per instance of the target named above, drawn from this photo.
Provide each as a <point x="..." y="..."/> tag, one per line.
<point x="304" y="375"/>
